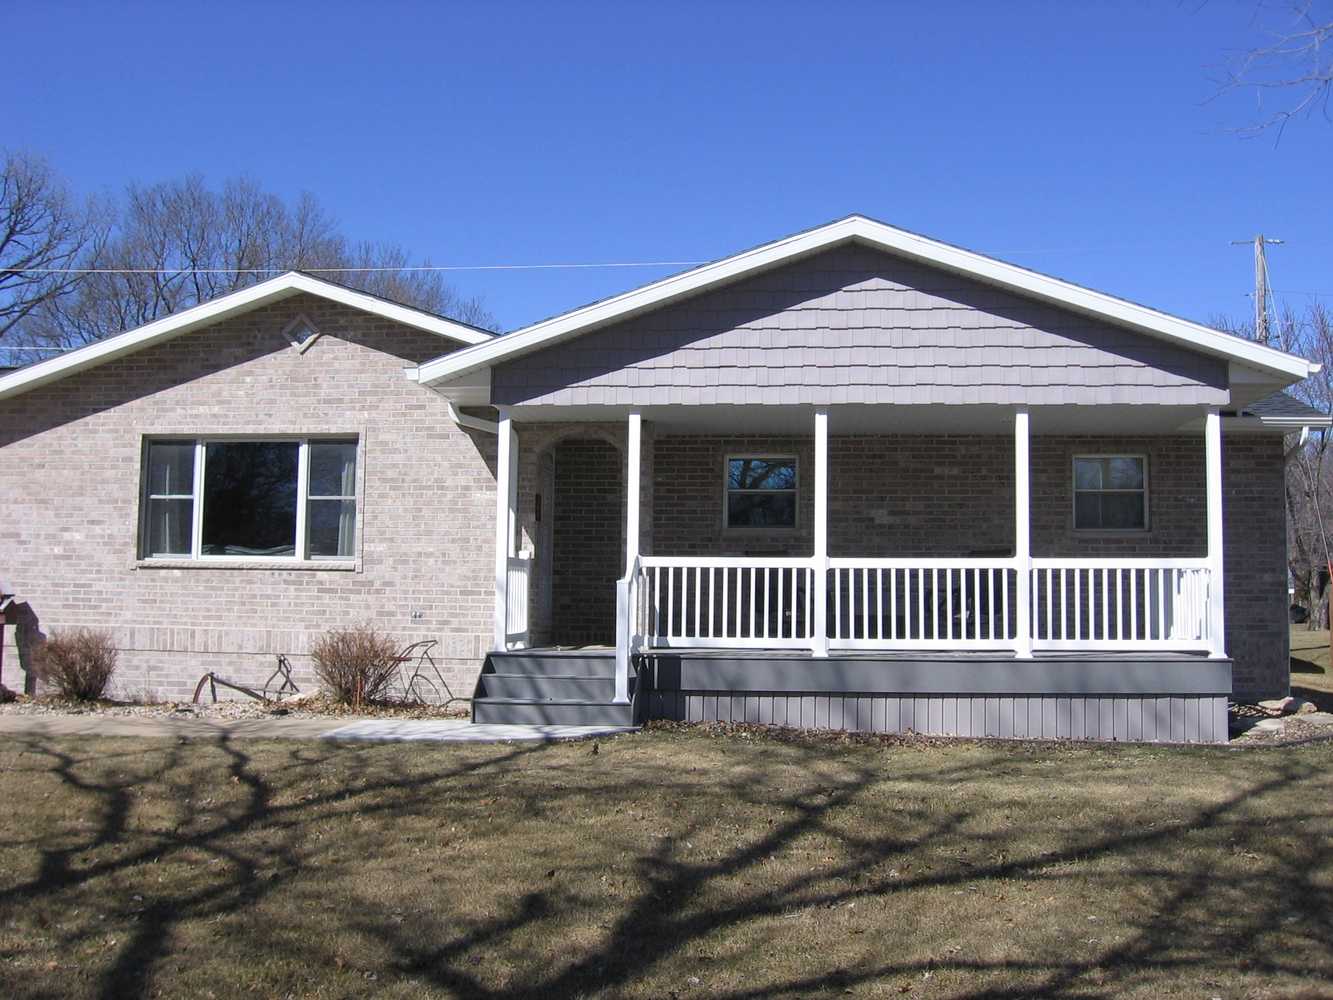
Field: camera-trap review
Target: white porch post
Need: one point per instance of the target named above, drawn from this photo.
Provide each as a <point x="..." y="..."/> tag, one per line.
<point x="633" y="474"/>
<point x="1212" y="436"/>
<point x="506" y="488"/>
<point x="625" y="587"/>
<point x="819" y="563"/>
<point x="1022" y="537"/>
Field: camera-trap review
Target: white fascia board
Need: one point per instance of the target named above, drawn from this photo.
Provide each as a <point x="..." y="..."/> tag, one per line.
<point x="899" y="242"/>
<point x="275" y="289"/>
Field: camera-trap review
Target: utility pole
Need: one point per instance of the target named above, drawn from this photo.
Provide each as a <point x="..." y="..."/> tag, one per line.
<point x="1260" y="284"/>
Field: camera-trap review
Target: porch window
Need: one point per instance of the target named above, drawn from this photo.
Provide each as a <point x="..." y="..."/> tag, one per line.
<point x="284" y="499"/>
<point x="1110" y="492"/>
<point x="761" y="492"/>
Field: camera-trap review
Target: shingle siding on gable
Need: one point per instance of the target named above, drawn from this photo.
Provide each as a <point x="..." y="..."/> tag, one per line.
<point x="854" y="325"/>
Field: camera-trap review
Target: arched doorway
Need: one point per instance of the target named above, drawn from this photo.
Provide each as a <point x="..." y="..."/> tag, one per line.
<point x="587" y="540"/>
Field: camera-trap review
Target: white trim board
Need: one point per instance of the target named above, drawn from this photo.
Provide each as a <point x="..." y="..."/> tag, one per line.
<point x="215" y="310"/>
<point x="860" y="229"/>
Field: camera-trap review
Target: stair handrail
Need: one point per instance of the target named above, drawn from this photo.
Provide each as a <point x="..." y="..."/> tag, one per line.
<point x="629" y="638"/>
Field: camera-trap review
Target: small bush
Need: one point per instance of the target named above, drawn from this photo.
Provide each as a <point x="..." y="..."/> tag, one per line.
<point x="356" y="665"/>
<point x="77" y="663"/>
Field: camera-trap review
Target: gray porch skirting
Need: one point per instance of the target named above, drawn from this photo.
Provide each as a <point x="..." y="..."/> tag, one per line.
<point x="1176" y="698"/>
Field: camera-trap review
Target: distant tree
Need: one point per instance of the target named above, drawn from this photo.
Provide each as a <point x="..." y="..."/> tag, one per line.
<point x="1292" y="74"/>
<point x="42" y="227"/>
<point x="175" y="244"/>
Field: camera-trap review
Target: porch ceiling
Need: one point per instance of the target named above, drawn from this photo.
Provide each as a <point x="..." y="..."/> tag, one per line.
<point x="882" y="419"/>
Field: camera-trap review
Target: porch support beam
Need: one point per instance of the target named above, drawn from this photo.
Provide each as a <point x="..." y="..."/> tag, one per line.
<point x="506" y="496"/>
<point x="819" y="563"/>
<point x="1212" y="436"/>
<point x="633" y="487"/>
<point x="1022" y="537"/>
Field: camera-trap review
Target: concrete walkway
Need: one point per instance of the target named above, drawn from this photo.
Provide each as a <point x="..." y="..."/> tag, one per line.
<point x="362" y="730"/>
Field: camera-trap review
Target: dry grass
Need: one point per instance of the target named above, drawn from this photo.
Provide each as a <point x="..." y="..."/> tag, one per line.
<point x="666" y="864"/>
<point x="1310" y="674"/>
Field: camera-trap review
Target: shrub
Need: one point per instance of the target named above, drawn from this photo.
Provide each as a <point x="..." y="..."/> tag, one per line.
<point x="77" y="663"/>
<point x="356" y="665"/>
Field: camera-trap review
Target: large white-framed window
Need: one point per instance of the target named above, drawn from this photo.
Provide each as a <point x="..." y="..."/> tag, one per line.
<point x="760" y="491"/>
<point x="249" y="498"/>
<point x="1111" y="492"/>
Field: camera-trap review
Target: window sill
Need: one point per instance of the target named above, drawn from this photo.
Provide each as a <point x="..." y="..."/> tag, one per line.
<point x="315" y="565"/>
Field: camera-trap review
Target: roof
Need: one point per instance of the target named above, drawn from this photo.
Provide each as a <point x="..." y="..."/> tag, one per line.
<point x="205" y="314"/>
<point x="878" y="235"/>
<point x="1282" y="409"/>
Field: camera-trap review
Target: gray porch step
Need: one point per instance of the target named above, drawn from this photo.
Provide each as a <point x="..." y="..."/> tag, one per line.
<point x="551" y="713"/>
<point x="557" y="662"/>
<point x="549" y="687"/>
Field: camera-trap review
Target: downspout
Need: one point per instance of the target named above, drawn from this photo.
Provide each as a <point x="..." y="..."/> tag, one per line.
<point x="476" y="423"/>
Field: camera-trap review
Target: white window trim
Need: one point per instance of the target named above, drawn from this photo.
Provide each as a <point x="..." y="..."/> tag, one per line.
<point x="300" y="557"/>
<point x="727" y="491"/>
<point x="1075" y="491"/>
<point x="312" y="333"/>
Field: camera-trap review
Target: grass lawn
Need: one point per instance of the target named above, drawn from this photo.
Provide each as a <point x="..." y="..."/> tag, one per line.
<point x="1310" y="675"/>
<point x="666" y="864"/>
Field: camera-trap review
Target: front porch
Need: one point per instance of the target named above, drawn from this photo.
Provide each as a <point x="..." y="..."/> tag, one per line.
<point x="1133" y="627"/>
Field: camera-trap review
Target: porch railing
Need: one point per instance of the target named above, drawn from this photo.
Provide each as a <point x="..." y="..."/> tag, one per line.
<point x="1120" y="604"/>
<point x="728" y="602"/>
<point x="517" y="574"/>
<point x="922" y="603"/>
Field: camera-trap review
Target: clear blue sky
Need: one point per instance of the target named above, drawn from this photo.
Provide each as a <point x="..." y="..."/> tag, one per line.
<point x="1074" y="138"/>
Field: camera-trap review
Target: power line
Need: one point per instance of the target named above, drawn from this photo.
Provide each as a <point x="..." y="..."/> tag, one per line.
<point x="343" y="270"/>
<point x="1260" y="283"/>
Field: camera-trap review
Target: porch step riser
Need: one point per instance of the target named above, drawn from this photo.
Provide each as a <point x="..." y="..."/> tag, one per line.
<point x="548" y="664"/>
<point x="543" y="688"/>
<point x="544" y="714"/>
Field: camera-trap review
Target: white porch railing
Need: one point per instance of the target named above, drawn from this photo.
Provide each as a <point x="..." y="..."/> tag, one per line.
<point x="921" y="604"/>
<point x="728" y="602"/>
<point x="517" y="574"/>
<point x="725" y="602"/>
<point x="1120" y="604"/>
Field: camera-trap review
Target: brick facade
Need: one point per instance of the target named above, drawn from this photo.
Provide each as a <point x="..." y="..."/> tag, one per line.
<point x="70" y="480"/>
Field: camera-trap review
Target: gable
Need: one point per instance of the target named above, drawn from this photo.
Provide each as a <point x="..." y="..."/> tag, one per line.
<point x="857" y="325"/>
<point x="238" y="303"/>
<point x="240" y="374"/>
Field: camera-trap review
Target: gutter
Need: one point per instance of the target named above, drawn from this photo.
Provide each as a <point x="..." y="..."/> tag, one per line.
<point x="476" y="423"/>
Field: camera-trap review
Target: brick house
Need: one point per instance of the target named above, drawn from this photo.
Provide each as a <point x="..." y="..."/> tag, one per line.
<point x="854" y="478"/>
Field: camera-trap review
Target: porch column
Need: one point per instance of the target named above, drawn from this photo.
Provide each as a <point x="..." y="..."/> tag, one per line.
<point x="506" y="496"/>
<point x="819" y="563"/>
<point x="626" y="591"/>
<point x="633" y="476"/>
<point x="1022" y="538"/>
<point x="1212" y="437"/>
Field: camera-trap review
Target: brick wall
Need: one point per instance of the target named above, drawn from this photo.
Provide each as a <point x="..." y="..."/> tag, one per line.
<point x="69" y="489"/>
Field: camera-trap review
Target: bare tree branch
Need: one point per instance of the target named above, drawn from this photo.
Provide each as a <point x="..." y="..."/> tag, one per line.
<point x="1295" y="68"/>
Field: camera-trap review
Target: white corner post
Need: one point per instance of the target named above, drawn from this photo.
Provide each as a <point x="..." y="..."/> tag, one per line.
<point x="626" y="587"/>
<point x="506" y="495"/>
<point x="819" y="563"/>
<point x="1217" y="621"/>
<point x="633" y="487"/>
<point x="1022" y="537"/>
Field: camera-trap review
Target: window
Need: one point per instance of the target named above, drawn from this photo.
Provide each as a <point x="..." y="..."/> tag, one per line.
<point x="761" y="492"/>
<point x="279" y="499"/>
<point x="1111" y="492"/>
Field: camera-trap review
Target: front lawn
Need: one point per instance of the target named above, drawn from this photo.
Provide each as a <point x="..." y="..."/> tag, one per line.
<point x="669" y="863"/>
<point x="1310" y="675"/>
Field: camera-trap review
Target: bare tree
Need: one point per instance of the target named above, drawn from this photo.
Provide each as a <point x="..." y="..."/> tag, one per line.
<point x="1294" y="68"/>
<point x="42" y="229"/>
<point x="178" y="243"/>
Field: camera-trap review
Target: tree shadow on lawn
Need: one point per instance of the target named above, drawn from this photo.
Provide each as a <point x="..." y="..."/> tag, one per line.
<point x="683" y="864"/>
